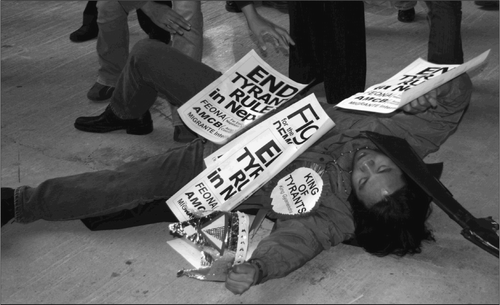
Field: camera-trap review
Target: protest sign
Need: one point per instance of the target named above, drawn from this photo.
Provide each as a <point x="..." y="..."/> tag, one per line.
<point x="243" y="94"/>
<point x="413" y="81"/>
<point x="252" y="159"/>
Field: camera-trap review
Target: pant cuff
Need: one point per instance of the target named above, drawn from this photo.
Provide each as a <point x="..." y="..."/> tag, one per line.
<point x="119" y="113"/>
<point x="106" y="82"/>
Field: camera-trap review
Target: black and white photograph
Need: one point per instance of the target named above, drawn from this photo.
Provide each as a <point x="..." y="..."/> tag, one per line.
<point x="249" y="152"/>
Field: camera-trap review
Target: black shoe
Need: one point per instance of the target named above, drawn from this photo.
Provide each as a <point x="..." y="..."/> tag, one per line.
<point x="84" y="33"/>
<point x="108" y="121"/>
<point x="150" y="28"/>
<point x="183" y="134"/>
<point x="407" y="15"/>
<point x="279" y="5"/>
<point x="89" y="29"/>
<point x="232" y="7"/>
<point x="487" y="4"/>
<point x="7" y="205"/>
<point x="100" y="92"/>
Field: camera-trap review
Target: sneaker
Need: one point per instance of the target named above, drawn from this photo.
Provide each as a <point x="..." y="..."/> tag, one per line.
<point x="100" y="92"/>
<point x="407" y="15"/>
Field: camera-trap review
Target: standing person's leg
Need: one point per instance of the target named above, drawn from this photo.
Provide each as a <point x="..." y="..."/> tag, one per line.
<point x="445" y="39"/>
<point x="330" y="46"/>
<point x="344" y="49"/>
<point x="305" y="57"/>
<point x="109" y="191"/>
<point x="112" y="47"/>
<point x="344" y="65"/>
<point x="153" y="67"/>
<point x="191" y="44"/>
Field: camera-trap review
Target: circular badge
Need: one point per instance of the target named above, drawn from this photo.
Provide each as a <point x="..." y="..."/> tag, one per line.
<point x="297" y="193"/>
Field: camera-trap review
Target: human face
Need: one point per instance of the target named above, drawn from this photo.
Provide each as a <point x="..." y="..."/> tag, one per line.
<point x="374" y="176"/>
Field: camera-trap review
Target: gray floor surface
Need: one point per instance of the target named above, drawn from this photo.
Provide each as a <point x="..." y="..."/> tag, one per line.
<point x="45" y="78"/>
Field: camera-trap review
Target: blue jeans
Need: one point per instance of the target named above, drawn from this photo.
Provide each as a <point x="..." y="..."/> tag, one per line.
<point x="152" y="67"/>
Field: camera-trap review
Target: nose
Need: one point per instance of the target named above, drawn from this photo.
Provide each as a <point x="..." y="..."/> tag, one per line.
<point x="367" y="165"/>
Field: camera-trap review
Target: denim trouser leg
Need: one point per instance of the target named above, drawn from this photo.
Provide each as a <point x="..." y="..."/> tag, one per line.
<point x="154" y="67"/>
<point x="108" y="191"/>
<point x="404" y="5"/>
<point x="191" y="43"/>
<point x="113" y="40"/>
<point x="445" y="40"/>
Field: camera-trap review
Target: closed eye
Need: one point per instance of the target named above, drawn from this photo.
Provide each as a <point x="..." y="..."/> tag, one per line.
<point x="361" y="183"/>
<point x="384" y="169"/>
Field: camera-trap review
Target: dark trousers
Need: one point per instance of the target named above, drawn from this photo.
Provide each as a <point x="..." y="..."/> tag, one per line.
<point x="445" y="39"/>
<point x="330" y="46"/>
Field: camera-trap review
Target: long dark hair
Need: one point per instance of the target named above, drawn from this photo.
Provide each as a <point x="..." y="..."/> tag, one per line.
<point x="394" y="225"/>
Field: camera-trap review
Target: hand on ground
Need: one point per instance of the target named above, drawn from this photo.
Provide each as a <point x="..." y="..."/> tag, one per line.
<point x="241" y="277"/>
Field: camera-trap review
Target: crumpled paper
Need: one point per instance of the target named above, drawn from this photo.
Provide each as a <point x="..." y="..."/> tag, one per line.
<point x="222" y="238"/>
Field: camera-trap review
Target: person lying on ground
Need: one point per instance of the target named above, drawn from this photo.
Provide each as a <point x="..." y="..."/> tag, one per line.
<point x="365" y="195"/>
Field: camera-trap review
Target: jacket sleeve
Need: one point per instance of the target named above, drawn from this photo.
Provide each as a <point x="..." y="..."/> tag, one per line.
<point x="425" y="131"/>
<point x="293" y="242"/>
